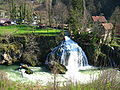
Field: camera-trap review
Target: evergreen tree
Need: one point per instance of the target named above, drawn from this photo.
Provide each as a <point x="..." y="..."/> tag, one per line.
<point x="76" y="15"/>
<point x="115" y="18"/>
<point x="12" y="9"/>
<point x="21" y="10"/>
<point x="25" y="12"/>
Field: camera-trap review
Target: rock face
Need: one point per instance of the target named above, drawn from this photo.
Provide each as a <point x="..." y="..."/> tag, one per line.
<point x="7" y="58"/>
<point x="10" y="53"/>
<point x="20" y="49"/>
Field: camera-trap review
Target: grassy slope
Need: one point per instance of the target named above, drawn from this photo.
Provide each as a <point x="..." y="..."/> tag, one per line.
<point x="22" y="29"/>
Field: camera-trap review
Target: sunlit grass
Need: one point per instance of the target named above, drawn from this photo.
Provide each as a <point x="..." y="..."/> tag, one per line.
<point x="23" y="29"/>
<point x="38" y="31"/>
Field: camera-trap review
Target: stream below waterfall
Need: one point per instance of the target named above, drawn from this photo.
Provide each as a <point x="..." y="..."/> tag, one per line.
<point x="44" y="77"/>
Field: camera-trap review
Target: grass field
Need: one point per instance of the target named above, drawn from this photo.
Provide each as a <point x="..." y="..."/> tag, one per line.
<point x="23" y="29"/>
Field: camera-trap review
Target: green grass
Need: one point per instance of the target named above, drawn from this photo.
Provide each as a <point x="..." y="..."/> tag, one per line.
<point x="24" y="29"/>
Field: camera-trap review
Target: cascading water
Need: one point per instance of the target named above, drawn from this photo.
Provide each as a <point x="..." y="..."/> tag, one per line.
<point x="71" y="55"/>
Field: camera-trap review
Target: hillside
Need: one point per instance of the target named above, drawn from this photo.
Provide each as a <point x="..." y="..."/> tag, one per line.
<point x="95" y="7"/>
<point x="105" y="7"/>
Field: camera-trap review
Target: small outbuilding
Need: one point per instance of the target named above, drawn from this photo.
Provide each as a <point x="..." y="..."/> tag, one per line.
<point x="5" y="21"/>
<point x="107" y="26"/>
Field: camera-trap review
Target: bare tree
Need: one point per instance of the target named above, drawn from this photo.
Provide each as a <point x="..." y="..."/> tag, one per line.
<point x="60" y="13"/>
<point x="31" y="51"/>
<point x="49" y="10"/>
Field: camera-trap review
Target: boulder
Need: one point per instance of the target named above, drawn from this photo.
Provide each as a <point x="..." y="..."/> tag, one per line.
<point x="27" y="69"/>
<point x="55" y="67"/>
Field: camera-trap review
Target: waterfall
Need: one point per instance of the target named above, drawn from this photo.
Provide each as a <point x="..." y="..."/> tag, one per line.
<point x="71" y="55"/>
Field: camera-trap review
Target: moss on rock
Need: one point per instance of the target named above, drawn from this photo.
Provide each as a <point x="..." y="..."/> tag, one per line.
<point x="55" y="67"/>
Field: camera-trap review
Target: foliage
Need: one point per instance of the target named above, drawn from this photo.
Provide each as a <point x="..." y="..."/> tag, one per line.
<point x="98" y="53"/>
<point x="116" y="16"/>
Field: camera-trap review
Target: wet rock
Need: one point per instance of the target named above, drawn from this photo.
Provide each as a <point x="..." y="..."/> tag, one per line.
<point x="26" y="67"/>
<point x="55" y="67"/>
<point x="29" y="71"/>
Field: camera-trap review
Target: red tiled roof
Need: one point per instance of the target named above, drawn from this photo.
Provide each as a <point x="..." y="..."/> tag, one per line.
<point x="99" y="18"/>
<point x="107" y="26"/>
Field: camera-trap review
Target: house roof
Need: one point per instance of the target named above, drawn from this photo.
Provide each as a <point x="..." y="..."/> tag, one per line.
<point x="3" y="20"/>
<point x="107" y="26"/>
<point x="99" y="19"/>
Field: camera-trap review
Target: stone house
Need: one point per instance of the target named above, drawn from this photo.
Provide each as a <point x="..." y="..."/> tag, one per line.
<point x="105" y="25"/>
